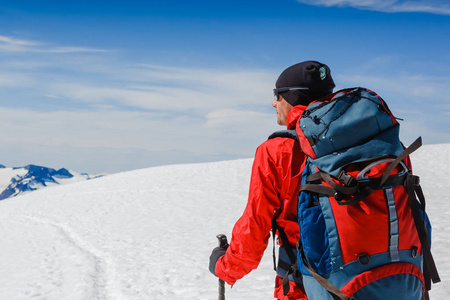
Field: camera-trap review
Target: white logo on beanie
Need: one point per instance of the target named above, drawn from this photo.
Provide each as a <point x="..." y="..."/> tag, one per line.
<point x="323" y="73"/>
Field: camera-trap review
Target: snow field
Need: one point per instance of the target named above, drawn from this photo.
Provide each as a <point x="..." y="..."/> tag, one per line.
<point x="148" y="234"/>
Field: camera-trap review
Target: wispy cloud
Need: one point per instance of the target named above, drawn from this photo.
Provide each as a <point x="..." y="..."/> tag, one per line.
<point x="117" y="114"/>
<point x="427" y="6"/>
<point x="15" y="41"/>
<point x="72" y="50"/>
<point x="77" y="104"/>
<point x="10" y="44"/>
<point x="416" y="95"/>
<point x="15" y="80"/>
<point x="15" y="45"/>
<point x="198" y="91"/>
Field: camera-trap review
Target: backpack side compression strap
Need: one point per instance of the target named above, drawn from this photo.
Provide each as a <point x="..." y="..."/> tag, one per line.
<point x="332" y="289"/>
<point x="429" y="270"/>
<point x="413" y="147"/>
<point x="359" y="192"/>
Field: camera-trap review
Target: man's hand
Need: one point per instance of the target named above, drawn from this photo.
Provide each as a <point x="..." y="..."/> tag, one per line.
<point x="215" y="255"/>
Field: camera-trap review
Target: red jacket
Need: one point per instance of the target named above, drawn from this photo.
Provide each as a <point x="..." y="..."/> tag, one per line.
<point x="274" y="188"/>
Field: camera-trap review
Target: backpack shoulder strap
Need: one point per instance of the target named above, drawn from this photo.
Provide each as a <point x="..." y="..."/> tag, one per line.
<point x="284" y="134"/>
<point x="292" y="135"/>
<point x="292" y="268"/>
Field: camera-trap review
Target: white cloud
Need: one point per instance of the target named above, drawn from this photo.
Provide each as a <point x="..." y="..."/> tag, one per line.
<point x="427" y="6"/>
<point x="72" y="50"/>
<point x="419" y="99"/>
<point x="233" y="119"/>
<point x="82" y="128"/>
<point x="15" y="41"/>
<point x="96" y="81"/>
<point x="15" y="45"/>
<point x="138" y="139"/>
<point x="15" y="79"/>
<point x="411" y="87"/>
<point x="235" y="83"/>
<point x="90" y="109"/>
<point x="66" y="107"/>
<point x="198" y="91"/>
<point x="10" y="44"/>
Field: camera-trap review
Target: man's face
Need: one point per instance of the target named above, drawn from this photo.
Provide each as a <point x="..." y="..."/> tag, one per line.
<point x="282" y="108"/>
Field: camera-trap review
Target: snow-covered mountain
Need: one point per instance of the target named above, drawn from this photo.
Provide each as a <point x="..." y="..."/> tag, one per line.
<point x="148" y="234"/>
<point x="16" y="181"/>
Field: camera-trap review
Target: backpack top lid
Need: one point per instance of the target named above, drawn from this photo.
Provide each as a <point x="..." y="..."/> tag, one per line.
<point x="351" y="125"/>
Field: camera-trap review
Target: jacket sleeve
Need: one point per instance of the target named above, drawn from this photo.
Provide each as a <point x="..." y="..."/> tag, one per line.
<point x="251" y="232"/>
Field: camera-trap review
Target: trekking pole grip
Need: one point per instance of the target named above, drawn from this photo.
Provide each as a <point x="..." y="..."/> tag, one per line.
<point x="223" y="243"/>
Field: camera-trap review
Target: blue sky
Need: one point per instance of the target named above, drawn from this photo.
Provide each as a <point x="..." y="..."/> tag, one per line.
<point x="109" y="86"/>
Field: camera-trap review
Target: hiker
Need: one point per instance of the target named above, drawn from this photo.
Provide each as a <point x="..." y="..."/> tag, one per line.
<point x="274" y="186"/>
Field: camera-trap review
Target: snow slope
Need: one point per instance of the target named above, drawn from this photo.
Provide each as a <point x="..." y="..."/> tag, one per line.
<point x="148" y="234"/>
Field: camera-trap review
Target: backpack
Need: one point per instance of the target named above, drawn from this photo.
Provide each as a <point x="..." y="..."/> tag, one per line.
<point x="364" y="233"/>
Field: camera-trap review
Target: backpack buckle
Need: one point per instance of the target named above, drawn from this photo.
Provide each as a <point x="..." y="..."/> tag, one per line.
<point x="412" y="180"/>
<point x="339" y="196"/>
<point x="414" y="251"/>
<point x="347" y="179"/>
<point x="364" y="259"/>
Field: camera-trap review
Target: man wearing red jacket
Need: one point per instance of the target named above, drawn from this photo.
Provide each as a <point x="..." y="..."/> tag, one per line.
<point x="275" y="184"/>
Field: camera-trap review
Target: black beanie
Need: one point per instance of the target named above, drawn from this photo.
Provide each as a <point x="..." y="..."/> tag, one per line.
<point x="311" y="74"/>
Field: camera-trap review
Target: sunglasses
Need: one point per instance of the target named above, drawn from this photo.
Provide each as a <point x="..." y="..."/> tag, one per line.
<point x="276" y="92"/>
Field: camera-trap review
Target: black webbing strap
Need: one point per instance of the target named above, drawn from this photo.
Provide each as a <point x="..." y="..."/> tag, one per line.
<point x="366" y="190"/>
<point x="285" y="283"/>
<point x="413" y="147"/>
<point x="362" y="190"/>
<point x="284" y="265"/>
<point x="284" y="240"/>
<point x="314" y="177"/>
<point x="373" y="184"/>
<point x="347" y="190"/>
<point x="359" y="192"/>
<point x="292" y="269"/>
<point x="317" y="189"/>
<point x="429" y="271"/>
<point x="332" y="289"/>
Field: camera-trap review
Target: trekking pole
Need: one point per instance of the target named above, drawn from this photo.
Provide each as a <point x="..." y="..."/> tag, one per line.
<point x="223" y="243"/>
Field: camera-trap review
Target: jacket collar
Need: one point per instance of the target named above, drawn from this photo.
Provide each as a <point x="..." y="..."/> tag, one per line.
<point x="294" y="115"/>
